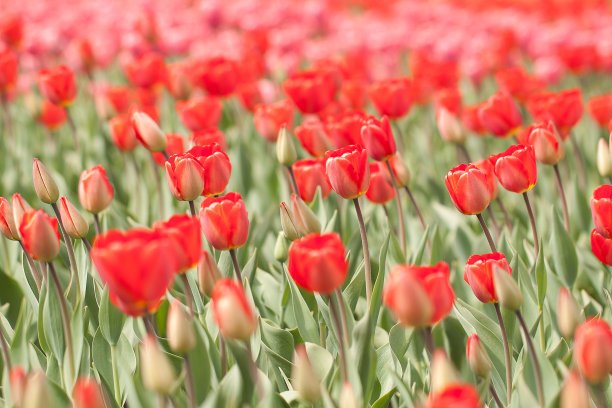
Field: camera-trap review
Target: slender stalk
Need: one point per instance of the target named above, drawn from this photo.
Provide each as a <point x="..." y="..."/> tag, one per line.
<point x="162" y="401"/>
<point x="97" y="224"/>
<point x="342" y="350"/>
<point x="400" y="137"/>
<point x="293" y="180"/>
<point x="416" y="207"/>
<point x="542" y="334"/>
<point x="86" y="243"/>
<point x="428" y="338"/>
<point x="462" y="153"/>
<point x="343" y="317"/>
<point x="6" y="356"/>
<point x="149" y="324"/>
<point x="504" y="335"/>
<point x="158" y="187"/>
<point x="222" y="355"/>
<point x="493" y="222"/>
<point x="116" y="386"/>
<point x="192" y="208"/>
<point x="602" y="402"/>
<point x="188" y="293"/>
<point x="65" y="317"/>
<point x="254" y="371"/>
<point x="73" y="130"/>
<point x="69" y="248"/>
<point x="189" y="383"/>
<point x="507" y="219"/>
<point x="495" y="396"/>
<point x="534" y="229"/>
<point x="165" y="153"/>
<point x="579" y="162"/>
<point x="366" y="252"/>
<point x="486" y="231"/>
<point x="35" y="271"/>
<point x="236" y="266"/>
<point x="563" y="200"/>
<point x="534" y="358"/>
<point x="7" y="258"/>
<point x="400" y="211"/>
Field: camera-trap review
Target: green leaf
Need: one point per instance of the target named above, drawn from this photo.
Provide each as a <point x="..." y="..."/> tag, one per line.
<point x="52" y="323"/>
<point x="541" y="276"/>
<point x="306" y="323"/>
<point x="563" y="252"/>
<point x="111" y="319"/>
<point x="201" y="367"/>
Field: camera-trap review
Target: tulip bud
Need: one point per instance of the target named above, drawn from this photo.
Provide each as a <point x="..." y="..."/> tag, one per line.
<point x="7" y="221"/>
<point x="507" y="290"/>
<point x="20" y="207"/>
<point x="95" y="191"/>
<point x="348" y="399"/>
<point x="74" y="223"/>
<point x="148" y="132"/>
<point x="155" y="369"/>
<point x="285" y="149"/>
<point x="604" y="159"/>
<point x="407" y="299"/>
<point x="87" y="393"/>
<point x="44" y="185"/>
<point x="450" y="127"/>
<point x="575" y="392"/>
<point x="36" y="393"/>
<point x="39" y="235"/>
<point x="18" y="381"/>
<point x="181" y="336"/>
<point x="231" y="310"/>
<point x="442" y="371"/>
<point x="568" y="314"/>
<point x="307" y="221"/>
<point x="208" y="273"/>
<point x="477" y="356"/>
<point x="185" y="176"/>
<point x="400" y="170"/>
<point x="281" y="248"/>
<point x="304" y="378"/>
<point x="290" y="227"/>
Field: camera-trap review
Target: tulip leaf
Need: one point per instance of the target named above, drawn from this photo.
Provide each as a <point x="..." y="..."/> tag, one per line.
<point x="278" y="340"/>
<point x="541" y="276"/>
<point x="201" y="366"/>
<point x="111" y="319"/>
<point x="563" y="252"/>
<point x="306" y="323"/>
<point x="52" y="323"/>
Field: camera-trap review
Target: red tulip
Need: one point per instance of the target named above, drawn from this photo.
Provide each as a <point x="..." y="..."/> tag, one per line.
<point x="563" y="108"/>
<point x="599" y="107"/>
<point x="471" y="119"/>
<point x="119" y="97"/>
<point x="86" y="55"/>
<point x="270" y="118"/>
<point x="516" y="168"/>
<point x="51" y="116"/>
<point x="593" y="350"/>
<point x="8" y="70"/>
<point x="317" y="262"/>
<point x="353" y="94"/>
<point x="601" y="208"/>
<point x="122" y="133"/>
<point x="344" y="128"/>
<point x="58" y="85"/>
<point x="470" y="188"/>
<point x="455" y="396"/>
<point x="378" y="138"/>
<point x="249" y="95"/>
<point x="7" y="220"/>
<point x="11" y="29"/>
<point x="448" y="99"/>
<point x="219" y="76"/>
<point x="547" y="146"/>
<point x="178" y="80"/>
<point x="479" y="274"/>
<point x="500" y="116"/>
<point x="175" y="144"/>
<point x="380" y="190"/>
<point x="87" y="393"/>
<point x="392" y="97"/>
<point x="419" y="295"/>
<point x="400" y="170"/>
<point x="185" y="176"/>
<point x="225" y="221"/>
<point x="601" y="247"/>
<point x="217" y="167"/>
<point x="486" y="166"/>
<point x="20" y="207"/>
<point x="148" y="132"/>
<point x="95" y="191"/>
<point x="39" y="235"/>
<point x="200" y="112"/>
<point x="348" y="171"/>
<point x="207" y="137"/>
<point x="477" y="356"/>
<point x="311" y="91"/>
<point x="310" y="175"/>
<point x="313" y="137"/>
<point x="184" y="233"/>
<point x="431" y="73"/>
<point x="518" y="83"/>
<point x="137" y="266"/>
<point x="146" y="71"/>
<point x="232" y="311"/>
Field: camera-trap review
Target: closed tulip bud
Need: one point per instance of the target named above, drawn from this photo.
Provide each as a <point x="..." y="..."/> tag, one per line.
<point x="443" y="373"/>
<point x="87" y="393"/>
<point x="568" y="314"/>
<point x="281" y="248"/>
<point x="231" y="310"/>
<point x="348" y="399"/>
<point x="288" y="223"/>
<point x="507" y="290"/>
<point x="74" y="223"/>
<point x="477" y="357"/>
<point x="18" y="380"/>
<point x="20" y="207"/>
<point x="95" y="191"/>
<point x="575" y="392"/>
<point x="181" y="336"/>
<point x="155" y="369"/>
<point x="400" y="170"/>
<point x="7" y="221"/>
<point x="148" y="132"/>
<point x="303" y="377"/>
<point x="450" y="127"/>
<point x="208" y="273"/>
<point x="44" y="185"/>
<point x="304" y="217"/>
<point x="604" y="158"/>
<point x="36" y="393"/>
<point x="185" y="176"/>
<point x="39" y="235"/>
<point x="285" y="149"/>
<point x="348" y="171"/>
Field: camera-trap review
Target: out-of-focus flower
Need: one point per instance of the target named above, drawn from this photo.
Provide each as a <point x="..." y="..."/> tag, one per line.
<point x="518" y="83"/>
<point x="471" y="119"/>
<point x="500" y="115"/>
<point x="8" y="70"/>
<point x="477" y="356"/>
<point x="7" y="221"/>
<point x="179" y="328"/>
<point x="568" y="314"/>
<point x="122" y="133"/>
<point x="208" y="273"/>
<point x="313" y="137"/>
<point x="380" y="190"/>
<point x="219" y="76"/>
<point x="563" y="108"/>
<point x="344" y="128"/>
<point x="309" y="175"/>
<point x="87" y="393"/>
<point x="378" y="138"/>
<point x="270" y="118"/>
<point x="392" y="97"/>
<point x="232" y="311"/>
<point x="51" y="116"/>
<point x="155" y="369"/>
<point x="575" y="392"/>
<point x="456" y="395"/>
<point x="200" y="112"/>
<point x="184" y="233"/>
<point x="600" y="109"/>
<point x="146" y="71"/>
<point x="545" y="141"/>
<point x="175" y="144"/>
<point x="604" y="158"/>
<point x="148" y="132"/>
<point x="601" y="210"/>
<point x="601" y="247"/>
<point x="593" y="350"/>
<point x="178" y="80"/>
<point x="311" y="91"/>
<point x="207" y="137"/>
<point x="39" y="235"/>
<point x="58" y="85"/>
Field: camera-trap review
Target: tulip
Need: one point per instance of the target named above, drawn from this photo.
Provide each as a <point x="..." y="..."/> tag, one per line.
<point x="378" y="138"/>
<point x="18" y="383"/>
<point x="600" y="109"/>
<point x="174" y="145"/>
<point x="593" y="350"/>
<point x="601" y="209"/>
<point x="317" y="262"/>
<point x="516" y="168"/>
<point x="469" y="188"/>
<point x="479" y="274"/>
<point x="216" y="165"/>
<point x="477" y="357"/>
<point x="185" y="176"/>
<point x="443" y="374"/>
<point x="155" y="369"/>
<point x="344" y="128"/>
<point x="249" y="94"/>
<point x="148" y="132"/>
<point x="11" y="29"/>
<point x="392" y="97"/>
<point x="208" y="273"/>
<point x="500" y="116"/>
<point x="507" y="290"/>
<point x="313" y="137"/>
<point x="145" y="71"/>
<point x="20" y="207"/>
<point x="87" y="393"/>
<point x="544" y="139"/>
<point x="518" y="82"/>
<point x="39" y="235"/>
<point x="310" y="175"/>
<point x="304" y="217"/>
<point x="184" y="233"/>
<point x="568" y="314"/>
<point x="220" y="76"/>
<point x="348" y="399"/>
<point x="311" y="91"/>
<point x="44" y="185"/>
<point x="51" y="116"/>
<point x="179" y="328"/>
<point x="303" y="377"/>
<point x="604" y="158"/>
<point x="449" y="99"/>
<point x="231" y="310"/>
<point x="449" y="127"/>
<point x="95" y="191"/>
<point x="470" y="118"/>
<point x="177" y="81"/>
<point x="58" y="85"/>
<point x="7" y="221"/>
<point x="200" y="112"/>
<point x="419" y="295"/>
<point x="455" y="395"/>
<point x="380" y="190"/>
<point x="601" y="247"/>
<point x="348" y="171"/>
<point x="225" y="221"/>
<point x="291" y="229"/>
<point x="137" y="266"/>
<point x="74" y="223"/>
<point x="8" y="70"/>
<point x="122" y="133"/>
<point x="563" y="108"/>
<point x="285" y="149"/>
<point x="37" y="392"/>
<point x="270" y="118"/>
<point x="281" y="250"/>
<point x="208" y="136"/>
<point x="574" y="392"/>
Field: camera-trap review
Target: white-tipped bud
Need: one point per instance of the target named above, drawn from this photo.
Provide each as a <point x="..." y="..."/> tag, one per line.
<point x="442" y="371"/>
<point x="304" y="378"/>
<point x="604" y="159"/>
<point x="477" y="356"/>
<point x="181" y="336"/>
<point x="290" y="227"/>
<point x="507" y="290"/>
<point x="148" y="132"/>
<point x="305" y="219"/>
<point x="37" y="391"/>
<point x="44" y="185"/>
<point x="74" y="223"/>
<point x="281" y="249"/>
<point x="450" y="127"/>
<point x="348" y="399"/>
<point x="575" y="392"/>
<point x="285" y="149"/>
<point x="208" y="273"/>
<point x="568" y="314"/>
<point x="155" y="369"/>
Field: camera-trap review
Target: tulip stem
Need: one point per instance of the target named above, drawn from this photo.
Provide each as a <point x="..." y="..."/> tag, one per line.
<point x="158" y="188"/>
<point x="493" y="222"/>
<point x="35" y="271"/>
<point x="601" y="396"/>
<point x="463" y="153"/>
<point x="579" y="162"/>
<point x="507" y="219"/>
<point x="343" y="317"/>
<point x="495" y="396"/>
<point x="87" y="244"/>
<point x="502" y="328"/>
<point x="70" y="250"/>
<point x="222" y="355"/>
<point x="486" y="231"/>
<point x="534" y="358"/>
<point x="165" y="153"/>
<point x="254" y="371"/>
<point x="97" y="224"/>
<point x="428" y="338"/>
<point x="416" y="207"/>
<point x="192" y="208"/>
<point x="236" y="266"/>
<point x="341" y="350"/>
<point x="563" y="200"/>
<point x="293" y="180"/>
<point x="149" y="324"/>
<point x="189" y="383"/>
<point x="65" y="317"/>
<point x="366" y="252"/>
<point x="534" y="229"/>
<point x="6" y="356"/>
<point x="73" y="130"/>
<point x="188" y="293"/>
<point x="116" y="386"/>
<point x="400" y="211"/>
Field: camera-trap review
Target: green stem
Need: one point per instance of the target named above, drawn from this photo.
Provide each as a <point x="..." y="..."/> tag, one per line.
<point x="400" y="211"/>
<point x="35" y="271"/>
<point x="70" y="250"/>
<point x="189" y="383"/>
<point x="188" y="293"/>
<point x="192" y="208"/>
<point x="534" y="358"/>
<point x="236" y="266"/>
<point x="504" y="335"/>
<point x="534" y="229"/>
<point x="416" y="207"/>
<point x="65" y="317"/>
<point x="563" y="199"/>
<point x="494" y="395"/>
<point x="97" y="224"/>
<point x="293" y="180"/>
<point x="542" y="334"/>
<point x="366" y="252"/>
<point x="343" y="317"/>
<point x="428" y="338"/>
<point x="254" y="371"/>
<point x="486" y="231"/>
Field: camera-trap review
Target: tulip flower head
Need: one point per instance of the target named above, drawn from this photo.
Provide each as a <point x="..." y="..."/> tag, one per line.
<point x="563" y="108"/>
<point x="58" y="85"/>
<point x="122" y="133"/>
<point x="148" y="132"/>
<point x="87" y="393"/>
<point x="600" y="109"/>
<point x="216" y="165"/>
<point x="348" y="171"/>
<point x="232" y="311"/>
<point x="311" y="91"/>
<point x="39" y="235"/>
<point x="270" y="118"/>
<point x="593" y="350"/>
<point x="456" y="395"/>
<point x="7" y="221"/>
<point x="378" y="138"/>
<point x="516" y="168"/>
<point x="500" y="115"/>
<point x="74" y="223"/>
<point x="200" y="113"/>
<point x="175" y="144"/>
<point x="479" y="274"/>
<point x="601" y="210"/>
<point x="310" y="175"/>
<point x="477" y="356"/>
<point x="95" y="191"/>
<point x="312" y="135"/>
<point x="470" y="188"/>
<point x="225" y="221"/>
<point x="381" y="190"/>
<point x="184" y="233"/>
<point x="392" y="97"/>
<point x="547" y="146"/>
<point x="185" y="176"/>
<point x="601" y="247"/>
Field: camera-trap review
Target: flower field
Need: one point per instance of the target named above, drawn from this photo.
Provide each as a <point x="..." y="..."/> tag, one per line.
<point x="328" y="203"/>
